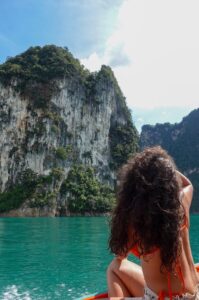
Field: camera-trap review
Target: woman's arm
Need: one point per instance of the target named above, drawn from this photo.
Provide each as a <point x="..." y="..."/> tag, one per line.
<point x="187" y="190"/>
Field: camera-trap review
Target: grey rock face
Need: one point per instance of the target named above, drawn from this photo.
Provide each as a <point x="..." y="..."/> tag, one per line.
<point x="30" y="137"/>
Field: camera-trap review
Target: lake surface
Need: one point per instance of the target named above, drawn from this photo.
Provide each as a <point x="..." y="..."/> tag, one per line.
<point x="58" y="258"/>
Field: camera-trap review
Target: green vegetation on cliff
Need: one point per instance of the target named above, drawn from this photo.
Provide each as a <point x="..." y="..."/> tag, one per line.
<point x="123" y="143"/>
<point x="32" y="187"/>
<point x="41" y="64"/>
<point x="13" y="197"/>
<point x="85" y="193"/>
<point x="34" y="72"/>
<point x="81" y="189"/>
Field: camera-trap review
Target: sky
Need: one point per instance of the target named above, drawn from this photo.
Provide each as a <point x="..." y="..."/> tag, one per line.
<point x="152" y="46"/>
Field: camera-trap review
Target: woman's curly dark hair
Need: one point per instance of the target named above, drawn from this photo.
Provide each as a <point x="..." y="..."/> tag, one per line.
<point x="149" y="212"/>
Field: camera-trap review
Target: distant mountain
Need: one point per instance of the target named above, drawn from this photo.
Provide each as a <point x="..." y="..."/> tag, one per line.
<point x="154" y="115"/>
<point x="181" y="140"/>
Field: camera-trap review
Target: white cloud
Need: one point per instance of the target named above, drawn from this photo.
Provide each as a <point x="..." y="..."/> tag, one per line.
<point x="154" y="52"/>
<point x="93" y="62"/>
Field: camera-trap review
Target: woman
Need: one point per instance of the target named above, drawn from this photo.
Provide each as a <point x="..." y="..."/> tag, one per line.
<point x="151" y="220"/>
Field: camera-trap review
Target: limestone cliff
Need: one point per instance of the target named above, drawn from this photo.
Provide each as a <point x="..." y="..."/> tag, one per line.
<point x="56" y="116"/>
<point x="182" y="142"/>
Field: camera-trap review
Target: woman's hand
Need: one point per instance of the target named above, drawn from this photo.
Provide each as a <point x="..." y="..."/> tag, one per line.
<point x="187" y="190"/>
<point x="185" y="181"/>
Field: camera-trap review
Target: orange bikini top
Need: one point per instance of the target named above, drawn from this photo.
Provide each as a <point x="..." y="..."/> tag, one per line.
<point x="135" y="251"/>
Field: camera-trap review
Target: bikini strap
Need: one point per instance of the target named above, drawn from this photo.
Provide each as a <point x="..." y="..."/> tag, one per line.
<point x="161" y="295"/>
<point x="185" y="225"/>
<point x="180" y="275"/>
<point x="169" y="285"/>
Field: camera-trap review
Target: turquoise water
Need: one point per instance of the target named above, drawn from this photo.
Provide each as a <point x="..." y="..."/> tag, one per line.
<point x="57" y="258"/>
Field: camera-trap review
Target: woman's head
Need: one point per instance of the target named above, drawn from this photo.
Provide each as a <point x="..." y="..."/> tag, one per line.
<point x="148" y="211"/>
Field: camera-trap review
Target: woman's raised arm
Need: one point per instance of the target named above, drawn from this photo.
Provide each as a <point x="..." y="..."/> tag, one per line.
<point x="187" y="189"/>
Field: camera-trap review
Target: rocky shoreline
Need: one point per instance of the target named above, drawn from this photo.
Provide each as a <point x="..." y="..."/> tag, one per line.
<point x="48" y="212"/>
